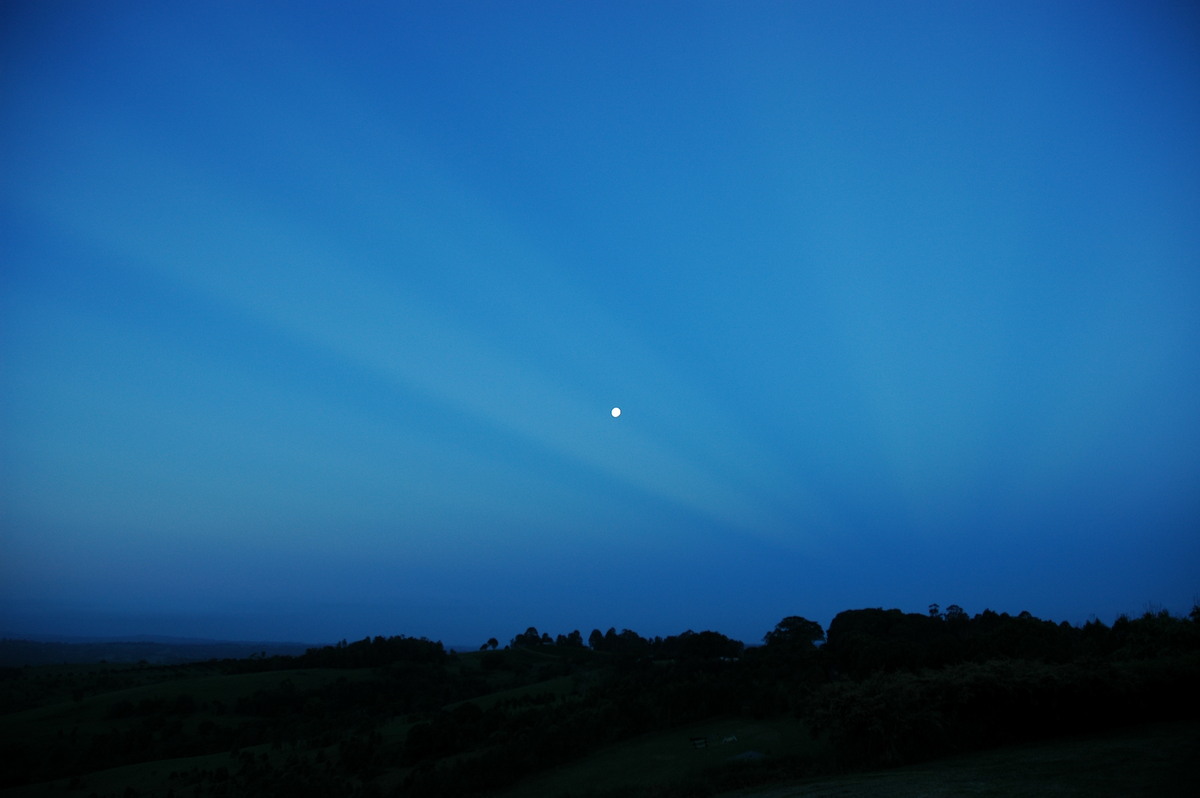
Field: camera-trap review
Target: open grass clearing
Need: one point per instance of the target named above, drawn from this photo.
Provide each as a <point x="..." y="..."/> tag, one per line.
<point x="558" y="687"/>
<point x="1158" y="760"/>
<point x="145" y="777"/>
<point x="666" y="757"/>
<point x="91" y="714"/>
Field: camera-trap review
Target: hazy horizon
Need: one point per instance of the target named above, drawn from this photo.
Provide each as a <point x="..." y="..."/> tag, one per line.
<point x="86" y="629"/>
<point x="312" y="316"/>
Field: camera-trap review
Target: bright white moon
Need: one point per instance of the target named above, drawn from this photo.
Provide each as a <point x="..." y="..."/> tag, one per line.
<point x="616" y="411"/>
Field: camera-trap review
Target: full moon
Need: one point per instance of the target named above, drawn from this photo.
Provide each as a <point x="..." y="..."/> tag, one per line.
<point x="616" y="411"/>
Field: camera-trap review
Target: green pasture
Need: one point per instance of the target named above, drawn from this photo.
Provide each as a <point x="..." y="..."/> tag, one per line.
<point x="145" y="777"/>
<point x="90" y="714"/>
<point x="1151" y="760"/>
<point x="668" y="757"/>
<point x="560" y="687"/>
<point x="1154" y="761"/>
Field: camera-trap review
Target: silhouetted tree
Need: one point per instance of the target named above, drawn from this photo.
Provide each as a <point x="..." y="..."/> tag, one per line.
<point x="702" y="646"/>
<point x="611" y="643"/>
<point x="531" y="637"/>
<point x="630" y="642"/>
<point x="866" y="641"/>
<point x="795" y="633"/>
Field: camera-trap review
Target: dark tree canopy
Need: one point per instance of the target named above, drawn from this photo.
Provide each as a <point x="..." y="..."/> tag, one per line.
<point x="794" y="632"/>
<point x="596" y="640"/>
<point x="530" y="638"/>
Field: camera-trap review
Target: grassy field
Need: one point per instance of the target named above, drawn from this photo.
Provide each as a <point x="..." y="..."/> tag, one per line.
<point x="49" y="707"/>
<point x="1156" y="761"/>
<point x="667" y="757"/>
<point x="91" y="713"/>
<point x="58" y="715"/>
<point x="147" y="778"/>
<point x="66" y="707"/>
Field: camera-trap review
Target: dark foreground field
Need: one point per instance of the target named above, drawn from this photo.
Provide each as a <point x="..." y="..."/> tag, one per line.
<point x="1151" y="760"/>
<point x="1155" y="761"/>
<point x="884" y="704"/>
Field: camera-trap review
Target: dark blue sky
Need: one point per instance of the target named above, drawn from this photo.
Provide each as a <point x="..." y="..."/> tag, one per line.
<point x="313" y="314"/>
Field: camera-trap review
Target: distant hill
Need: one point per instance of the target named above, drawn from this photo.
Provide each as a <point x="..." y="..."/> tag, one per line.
<point x="153" y="650"/>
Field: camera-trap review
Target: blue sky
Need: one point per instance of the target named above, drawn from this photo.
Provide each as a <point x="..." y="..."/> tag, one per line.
<point x="313" y="315"/>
